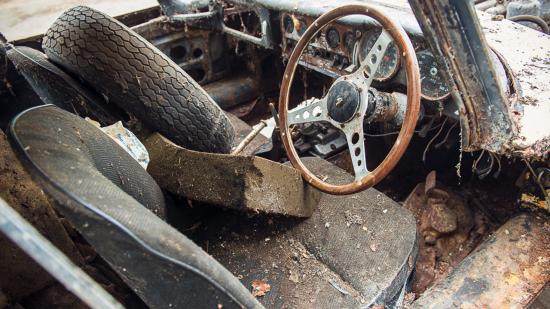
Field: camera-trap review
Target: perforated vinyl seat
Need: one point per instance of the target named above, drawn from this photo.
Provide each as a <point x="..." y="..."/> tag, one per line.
<point x="116" y="205"/>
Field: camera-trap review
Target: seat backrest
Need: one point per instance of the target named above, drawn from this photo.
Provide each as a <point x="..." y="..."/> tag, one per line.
<point x="103" y="191"/>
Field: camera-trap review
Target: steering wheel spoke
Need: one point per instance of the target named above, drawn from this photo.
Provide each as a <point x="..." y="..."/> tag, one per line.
<point x="356" y="145"/>
<point x="372" y="61"/>
<point x="313" y="112"/>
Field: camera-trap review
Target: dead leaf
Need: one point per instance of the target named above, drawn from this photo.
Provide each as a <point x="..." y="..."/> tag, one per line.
<point x="260" y="288"/>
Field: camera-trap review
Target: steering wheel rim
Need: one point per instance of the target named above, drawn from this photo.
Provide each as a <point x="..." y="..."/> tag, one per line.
<point x="413" y="98"/>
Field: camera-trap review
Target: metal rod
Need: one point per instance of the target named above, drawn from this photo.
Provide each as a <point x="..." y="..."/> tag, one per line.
<point x="249" y="138"/>
<point x="274" y="114"/>
<point x="193" y="16"/>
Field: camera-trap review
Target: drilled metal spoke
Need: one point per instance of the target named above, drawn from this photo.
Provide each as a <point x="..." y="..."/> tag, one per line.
<point x="313" y="112"/>
<point x="374" y="58"/>
<point x="356" y="145"/>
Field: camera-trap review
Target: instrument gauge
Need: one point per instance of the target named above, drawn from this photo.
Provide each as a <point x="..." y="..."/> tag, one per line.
<point x="390" y="62"/>
<point x="349" y="41"/>
<point x="333" y="37"/>
<point x="433" y="86"/>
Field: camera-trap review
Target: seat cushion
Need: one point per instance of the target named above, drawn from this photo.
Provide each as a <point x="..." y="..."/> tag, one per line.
<point x="354" y="251"/>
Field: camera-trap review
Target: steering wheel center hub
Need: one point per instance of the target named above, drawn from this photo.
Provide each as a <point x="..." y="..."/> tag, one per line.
<point x="343" y="101"/>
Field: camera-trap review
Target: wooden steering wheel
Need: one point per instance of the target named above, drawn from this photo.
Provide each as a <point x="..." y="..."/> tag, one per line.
<point x="347" y="101"/>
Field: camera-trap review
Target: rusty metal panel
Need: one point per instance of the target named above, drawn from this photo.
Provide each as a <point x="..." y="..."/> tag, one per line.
<point x="234" y="90"/>
<point x="452" y="29"/>
<point x="527" y="54"/>
<point x="508" y="270"/>
<point x="449" y="230"/>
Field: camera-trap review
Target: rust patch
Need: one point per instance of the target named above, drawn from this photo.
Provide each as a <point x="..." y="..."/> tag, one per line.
<point x="507" y="271"/>
<point x="450" y="230"/>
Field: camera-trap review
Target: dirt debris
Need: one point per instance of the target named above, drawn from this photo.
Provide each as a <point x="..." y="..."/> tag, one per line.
<point x="294" y="277"/>
<point x="408" y="300"/>
<point x="372" y="247"/>
<point x="284" y="263"/>
<point x="353" y="218"/>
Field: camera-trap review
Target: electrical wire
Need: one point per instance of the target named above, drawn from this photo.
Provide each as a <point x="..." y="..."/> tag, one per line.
<point x="476" y="161"/>
<point x="497" y="173"/>
<point x="482" y="173"/>
<point x="537" y="181"/>
<point x="432" y="140"/>
<point x="446" y="136"/>
<point x="397" y="132"/>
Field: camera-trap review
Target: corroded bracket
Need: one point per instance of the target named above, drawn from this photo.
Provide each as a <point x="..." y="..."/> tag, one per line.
<point x="239" y="182"/>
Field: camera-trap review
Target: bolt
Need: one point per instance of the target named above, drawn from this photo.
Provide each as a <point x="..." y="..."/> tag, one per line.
<point x="339" y="102"/>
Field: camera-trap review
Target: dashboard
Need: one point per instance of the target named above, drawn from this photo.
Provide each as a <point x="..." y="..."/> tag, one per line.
<point x="339" y="48"/>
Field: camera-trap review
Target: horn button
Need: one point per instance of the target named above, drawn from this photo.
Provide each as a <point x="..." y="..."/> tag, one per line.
<point x="343" y="101"/>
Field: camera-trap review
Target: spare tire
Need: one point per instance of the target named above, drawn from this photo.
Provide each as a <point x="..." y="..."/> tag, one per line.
<point x="136" y="76"/>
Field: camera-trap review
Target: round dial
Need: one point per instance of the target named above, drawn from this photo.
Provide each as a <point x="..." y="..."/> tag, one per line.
<point x="390" y="62"/>
<point x="433" y="85"/>
<point x="349" y="41"/>
<point x="333" y="37"/>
